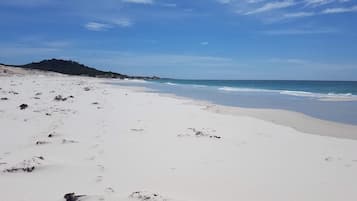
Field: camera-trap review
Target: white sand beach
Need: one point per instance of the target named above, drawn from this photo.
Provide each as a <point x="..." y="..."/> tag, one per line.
<point x="117" y="144"/>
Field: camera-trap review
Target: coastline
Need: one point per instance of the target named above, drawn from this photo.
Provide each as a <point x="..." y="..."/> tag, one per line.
<point x="295" y="120"/>
<point x="121" y="144"/>
<point x="336" y="110"/>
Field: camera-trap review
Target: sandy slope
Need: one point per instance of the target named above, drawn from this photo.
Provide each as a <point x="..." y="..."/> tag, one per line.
<point x="109" y="142"/>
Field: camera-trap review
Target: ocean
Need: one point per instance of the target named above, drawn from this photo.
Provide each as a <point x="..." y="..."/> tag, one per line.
<point x="328" y="100"/>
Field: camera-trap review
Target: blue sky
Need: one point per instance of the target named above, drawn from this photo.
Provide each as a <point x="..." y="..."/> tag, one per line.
<point x="207" y="39"/>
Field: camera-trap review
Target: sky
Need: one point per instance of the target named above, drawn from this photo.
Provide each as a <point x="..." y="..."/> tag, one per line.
<point x="190" y="39"/>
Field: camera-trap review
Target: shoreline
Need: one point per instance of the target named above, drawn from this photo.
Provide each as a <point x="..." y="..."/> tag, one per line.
<point x="296" y="120"/>
<point x="333" y="111"/>
<point x="113" y="143"/>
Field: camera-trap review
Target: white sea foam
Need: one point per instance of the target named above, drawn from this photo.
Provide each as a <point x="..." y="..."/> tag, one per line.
<point x="170" y="83"/>
<point x="321" y="96"/>
<point x="301" y="93"/>
<point x="135" y="80"/>
<point x="245" y="89"/>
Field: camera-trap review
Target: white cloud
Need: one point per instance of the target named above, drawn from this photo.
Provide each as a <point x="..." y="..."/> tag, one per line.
<point x="224" y="1"/>
<point x="240" y="2"/>
<point x="339" y="10"/>
<point x="26" y="3"/>
<point x="288" y="60"/>
<point x="170" y="5"/>
<point x="123" y="22"/>
<point x="162" y="60"/>
<point x="316" y="3"/>
<point x="139" y="1"/>
<point x="277" y="10"/>
<point x="299" y="14"/>
<point x="272" y="6"/>
<point x="204" y="43"/>
<point x="302" y="31"/>
<point x="95" y="26"/>
<point x="120" y="22"/>
<point x="254" y="1"/>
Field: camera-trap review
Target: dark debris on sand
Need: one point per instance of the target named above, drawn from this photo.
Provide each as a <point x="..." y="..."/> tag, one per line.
<point x="42" y="142"/>
<point x="60" y="98"/>
<point x="198" y="133"/>
<point x="146" y="196"/>
<point x="13" y="92"/>
<point x="23" y="106"/>
<point x="26" y="165"/>
<point x="65" y="141"/>
<point x="72" y="197"/>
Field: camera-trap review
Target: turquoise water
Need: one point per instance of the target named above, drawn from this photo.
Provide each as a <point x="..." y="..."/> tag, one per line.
<point x="288" y="87"/>
<point x="308" y="97"/>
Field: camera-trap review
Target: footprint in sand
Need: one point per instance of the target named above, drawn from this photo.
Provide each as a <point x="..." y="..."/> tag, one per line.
<point x="109" y="190"/>
<point x="94" y="146"/>
<point x="99" y="179"/>
<point x="100" y="167"/>
<point x="137" y="129"/>
<point x="328" y="159"/>
<point x="92" y="158"/>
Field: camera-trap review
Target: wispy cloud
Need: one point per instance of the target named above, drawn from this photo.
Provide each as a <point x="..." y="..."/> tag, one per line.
<point x="315" y="3"/>
<point x="272" y="6"/>
<point x="123" y="22"/>
<point x="139" y="1"/>
<point x="302" y="31"/>
<point x="299" y="14"/>
<point x="131" y="59"/>
<point x="204" y="43"/>
<point x="119" y="22"/>
<point x="288" y="60"/>
<point x="339" y="10"/>
<point x="27" y="3"/>
<point x="224" y="1"/>
<point x="170" y="5"/>
<point x="275" y="11"/>
<point x="323" y="12"/>
<point x="96" y="26"/>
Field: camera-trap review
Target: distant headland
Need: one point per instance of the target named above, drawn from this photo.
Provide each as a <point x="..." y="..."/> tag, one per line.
<point x="70" y="67"/>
